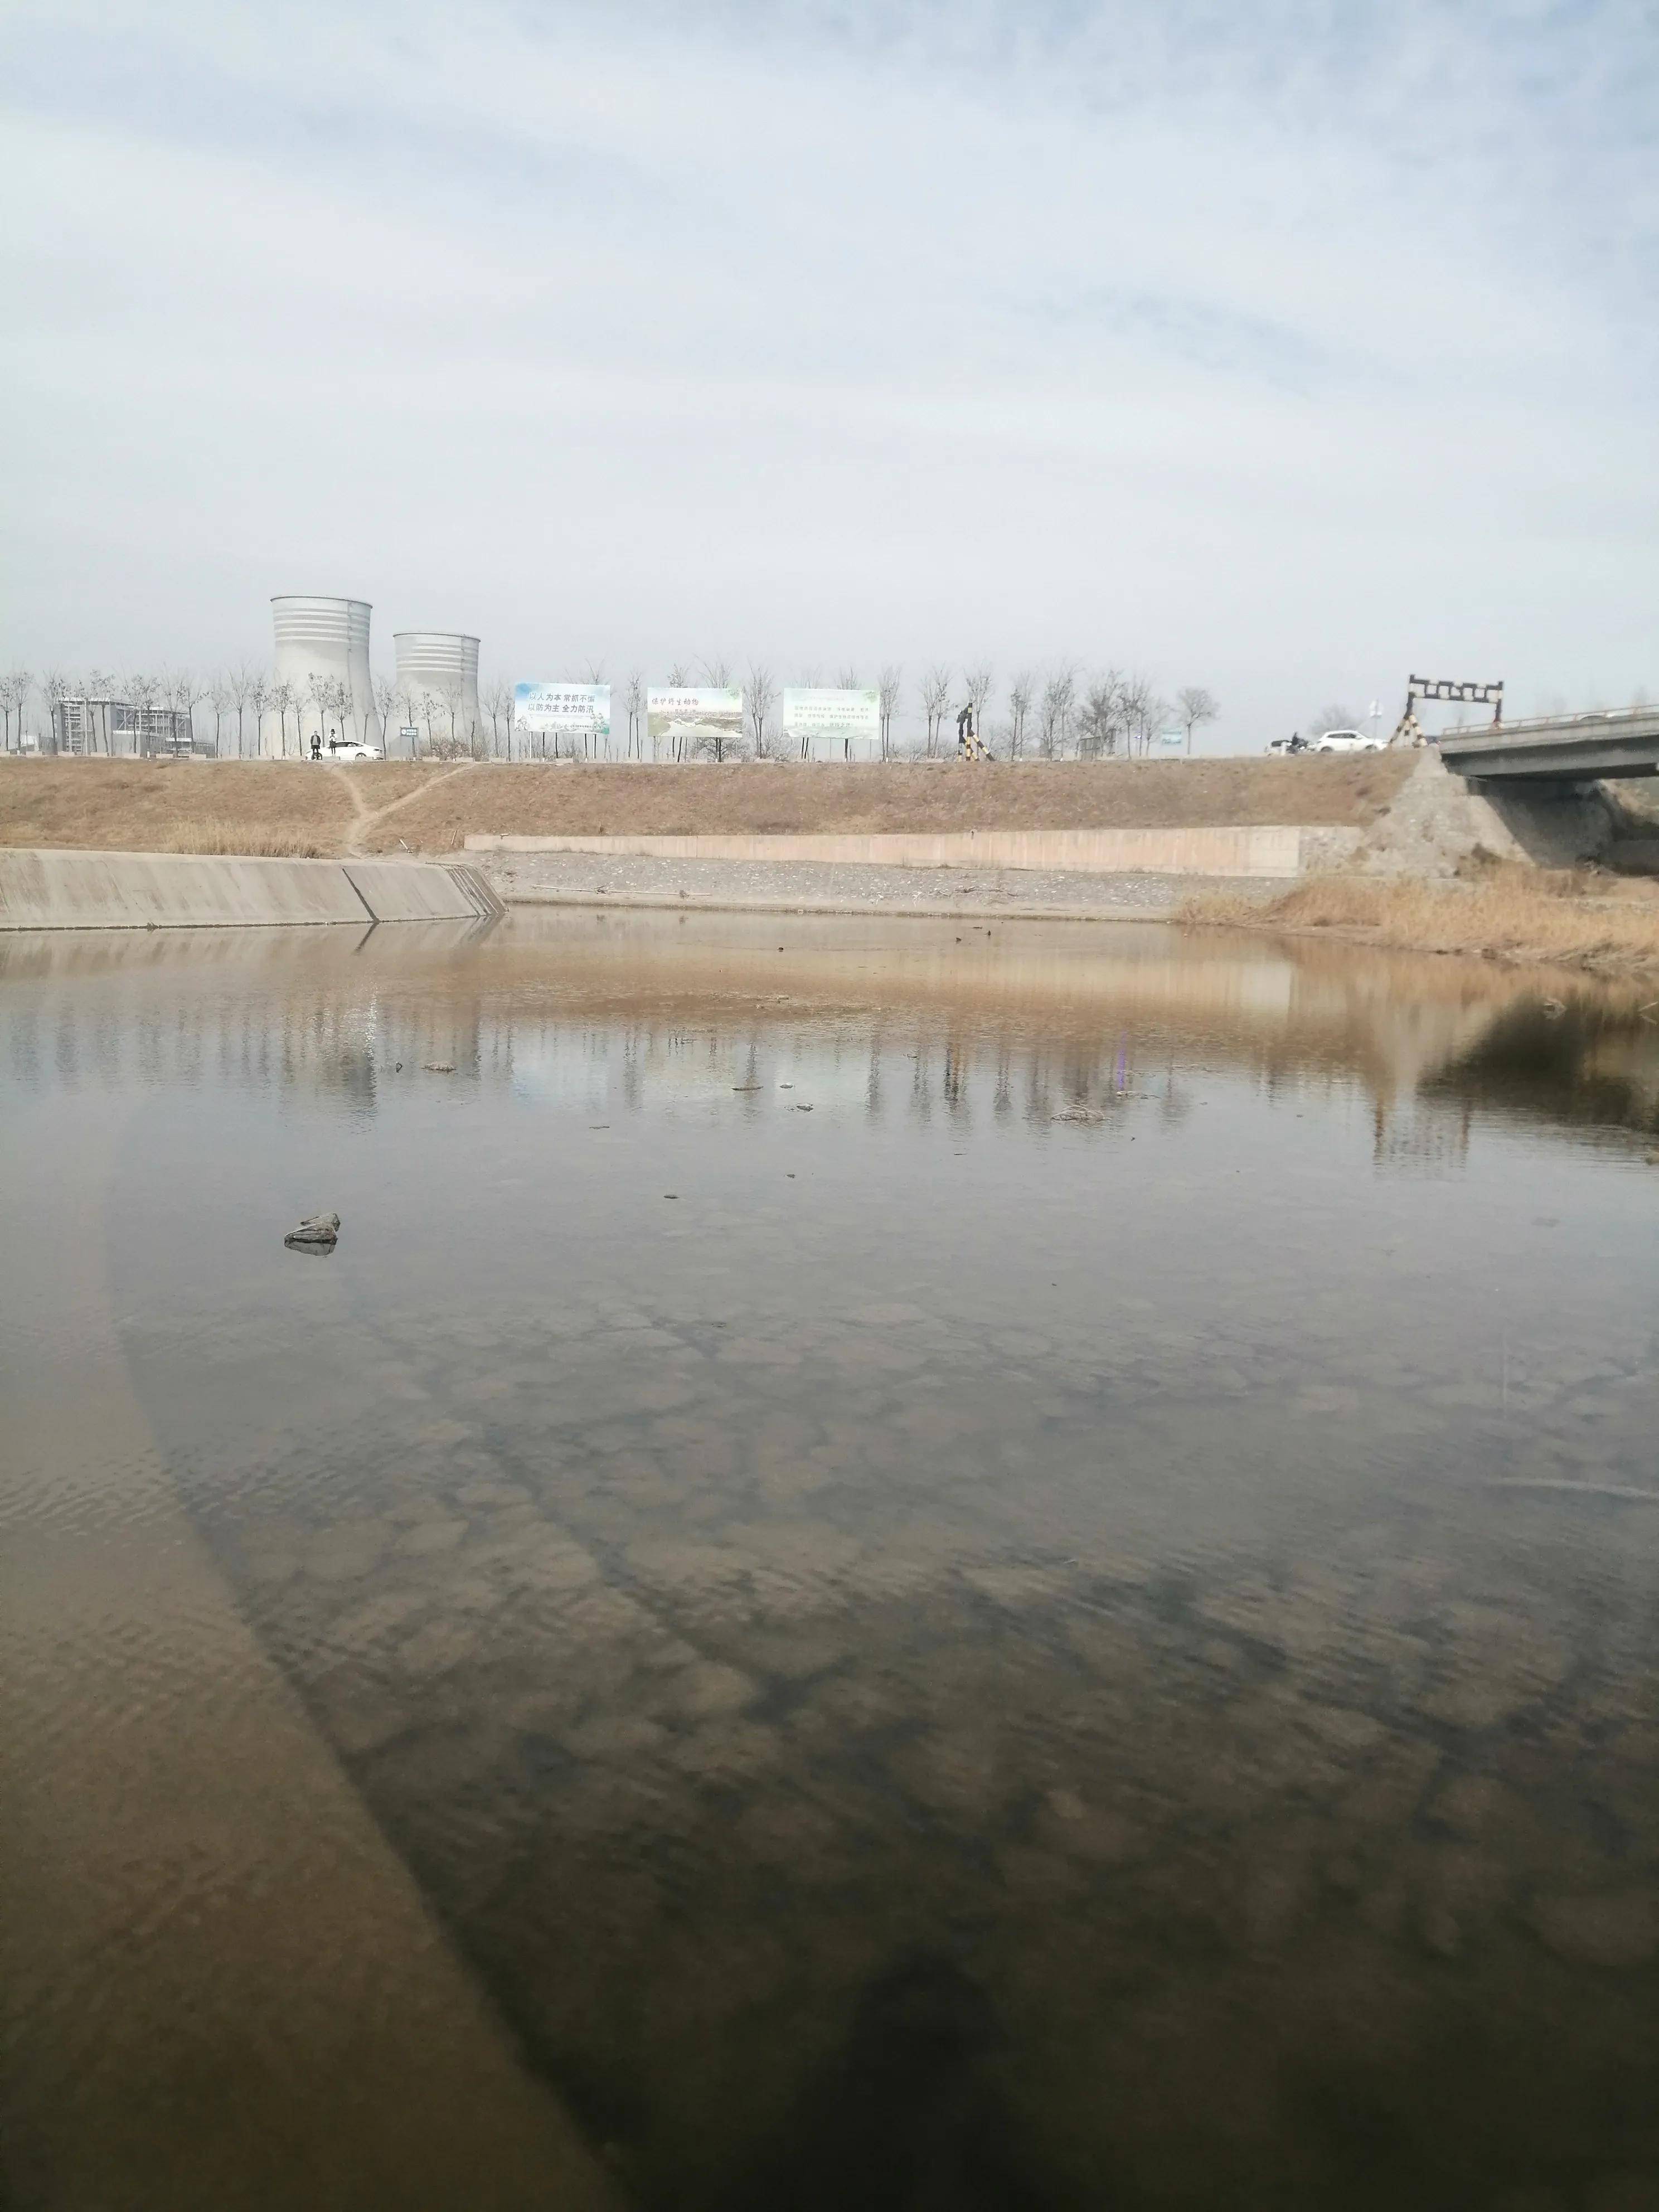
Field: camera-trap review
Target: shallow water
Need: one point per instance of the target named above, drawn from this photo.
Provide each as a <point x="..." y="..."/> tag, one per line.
<point x="986" y="1567"/>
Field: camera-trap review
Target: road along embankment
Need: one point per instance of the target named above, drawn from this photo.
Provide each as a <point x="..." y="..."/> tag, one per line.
<point x="55" y="890"/>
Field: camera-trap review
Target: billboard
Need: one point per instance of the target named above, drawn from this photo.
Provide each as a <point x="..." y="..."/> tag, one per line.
<point x="841" y="725"/>
<point x="693" y="719"/>
<point x="578" y="711"/>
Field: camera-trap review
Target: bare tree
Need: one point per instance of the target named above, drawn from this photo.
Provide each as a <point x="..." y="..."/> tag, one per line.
<point x="218" y="694"/>
<point x="54" y="689"/>
<point x="259" y="688"/>
<point x="498" y="704"/>
<point x="188" y="691"/>
<point x="935" y="702"/>
<point x="979" y="680"/>
<point x="143" y="693"/>
<point x="1100" y="718"/>
<point x="100" y="689"/>
<point x="284" y="694"/>
<point x="888" y="688"/>
<point x="848" y="680"/>
<point x="15" y="692"/>
<point x="634" y="694"/>
<point x="1055" y="713"/>
<point x="239" y="683"/>
<point x="320" y="692"/>
<point x="386" y="706"/>
<point x="717" y="671"/>
<point x="428" y="708"/>
<point x="761" y="692"/>
<point x="679" y="676"/>
<point x="1021" y="689"/>
<point x="1142" y="711"/>
<point x="1196" y="706"/>
<point x="1344" y="718"/>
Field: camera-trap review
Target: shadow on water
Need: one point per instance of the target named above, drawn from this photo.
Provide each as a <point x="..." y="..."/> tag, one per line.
<point x="909" y="2119"/>
<point x="982" y="1655"/>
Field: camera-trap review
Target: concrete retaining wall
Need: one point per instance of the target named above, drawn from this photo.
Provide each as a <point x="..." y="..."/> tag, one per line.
<point x="46" y="889"/>
<point x="1268" y="851"/>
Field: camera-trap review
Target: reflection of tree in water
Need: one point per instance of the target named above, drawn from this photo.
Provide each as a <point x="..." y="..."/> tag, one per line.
<point x="1580" y="1061"/>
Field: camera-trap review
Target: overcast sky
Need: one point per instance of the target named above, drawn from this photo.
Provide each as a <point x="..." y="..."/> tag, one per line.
<point x="1285" y="348"/>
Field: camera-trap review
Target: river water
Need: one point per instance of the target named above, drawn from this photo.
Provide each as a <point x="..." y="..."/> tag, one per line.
<point x="962" y="1567"/>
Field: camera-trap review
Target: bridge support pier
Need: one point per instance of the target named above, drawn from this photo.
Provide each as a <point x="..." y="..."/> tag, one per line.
<point x="1440" y="820"/>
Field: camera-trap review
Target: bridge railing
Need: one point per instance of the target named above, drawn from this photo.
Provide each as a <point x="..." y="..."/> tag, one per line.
<point x="1587" y="723"/>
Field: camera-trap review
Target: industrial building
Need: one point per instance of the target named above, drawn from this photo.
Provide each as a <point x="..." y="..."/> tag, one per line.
<point x="438" y="683"/>
<point x="322" y="655"/>
<point x="116" y="727"/>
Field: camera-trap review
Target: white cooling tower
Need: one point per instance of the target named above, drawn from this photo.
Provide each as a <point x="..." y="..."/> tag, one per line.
<point x="442" y="665"/>
<point x="323" y="644"/>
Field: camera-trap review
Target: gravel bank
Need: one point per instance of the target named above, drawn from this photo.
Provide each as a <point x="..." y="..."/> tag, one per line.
<point x="638" y="880"/>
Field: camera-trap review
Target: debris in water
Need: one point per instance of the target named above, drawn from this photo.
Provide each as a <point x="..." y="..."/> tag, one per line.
<point x="318" y="1232"/>
<point x="439" y="1067"/>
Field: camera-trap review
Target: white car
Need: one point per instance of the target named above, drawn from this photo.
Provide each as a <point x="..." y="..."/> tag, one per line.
<point x="344" y="749"/>
<point x="1345" y="741"/>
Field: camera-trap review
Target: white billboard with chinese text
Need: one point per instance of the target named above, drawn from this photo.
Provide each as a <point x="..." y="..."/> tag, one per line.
<point x="834" y="725"/>
<point x="686" y="720"/>
<point x="579" y="712"/>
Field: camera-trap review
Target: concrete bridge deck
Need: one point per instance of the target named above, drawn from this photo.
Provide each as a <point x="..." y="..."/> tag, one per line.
<point x="1556" y="748"/>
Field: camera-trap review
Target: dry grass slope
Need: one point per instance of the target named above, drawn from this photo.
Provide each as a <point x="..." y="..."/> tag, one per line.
<point x="761" y="801"/>
<point x="1508" y="913"/>
<point x="282" y="808"/>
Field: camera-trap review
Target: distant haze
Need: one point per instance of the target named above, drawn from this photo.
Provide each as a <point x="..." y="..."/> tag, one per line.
<point x="1284" y="349"/>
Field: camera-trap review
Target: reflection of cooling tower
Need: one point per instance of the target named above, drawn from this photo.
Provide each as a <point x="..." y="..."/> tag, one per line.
<point x="442" y="665"/>
<point x="322" y="647"/>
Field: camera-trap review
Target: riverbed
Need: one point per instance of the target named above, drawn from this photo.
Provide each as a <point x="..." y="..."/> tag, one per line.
<point x="896" y="1562"/>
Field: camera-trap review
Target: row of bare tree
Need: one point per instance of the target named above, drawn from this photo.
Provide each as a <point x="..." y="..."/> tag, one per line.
<point x="1046" y="715"/>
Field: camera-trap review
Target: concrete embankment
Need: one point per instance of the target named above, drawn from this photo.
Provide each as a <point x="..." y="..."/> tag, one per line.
<point x="52" y="889"/>
<point x="1274" y="850"/>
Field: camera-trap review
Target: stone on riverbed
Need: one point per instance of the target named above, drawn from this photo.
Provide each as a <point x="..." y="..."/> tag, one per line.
<point x="1610" y="1928"/>
<point x="318" y="1232"/>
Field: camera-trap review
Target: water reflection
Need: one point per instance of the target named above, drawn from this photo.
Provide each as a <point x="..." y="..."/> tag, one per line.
<point x="611" y="1011"/>
<point x="1051" y="1630"/>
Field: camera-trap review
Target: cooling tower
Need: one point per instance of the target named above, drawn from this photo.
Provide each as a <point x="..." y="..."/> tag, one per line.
<point x="328" y="641"/>
<point x="442" y="665"/>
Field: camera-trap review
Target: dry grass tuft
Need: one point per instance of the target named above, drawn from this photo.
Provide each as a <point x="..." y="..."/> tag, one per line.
<point x="244" y="843"/>
<point x="1504" y="911"/>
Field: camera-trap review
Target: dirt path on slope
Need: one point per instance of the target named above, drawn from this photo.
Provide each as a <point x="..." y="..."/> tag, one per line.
<point x="369" y="817"/>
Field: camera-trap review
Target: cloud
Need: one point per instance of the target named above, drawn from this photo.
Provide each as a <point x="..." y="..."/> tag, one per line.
<point x="1273" y="348"/>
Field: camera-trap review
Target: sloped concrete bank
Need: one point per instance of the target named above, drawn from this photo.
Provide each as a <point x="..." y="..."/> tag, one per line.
<point x="46" y="889"/>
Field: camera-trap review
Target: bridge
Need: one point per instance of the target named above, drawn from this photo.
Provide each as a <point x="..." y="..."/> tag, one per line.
<point x="1556" y="748"/>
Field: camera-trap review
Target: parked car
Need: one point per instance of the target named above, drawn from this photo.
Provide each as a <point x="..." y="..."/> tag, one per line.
<point x="345" y="749"/>
<point x="1345" y="741"/>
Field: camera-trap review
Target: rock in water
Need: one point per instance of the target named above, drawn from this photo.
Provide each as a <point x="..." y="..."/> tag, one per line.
<point x="318" y="1232"/>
